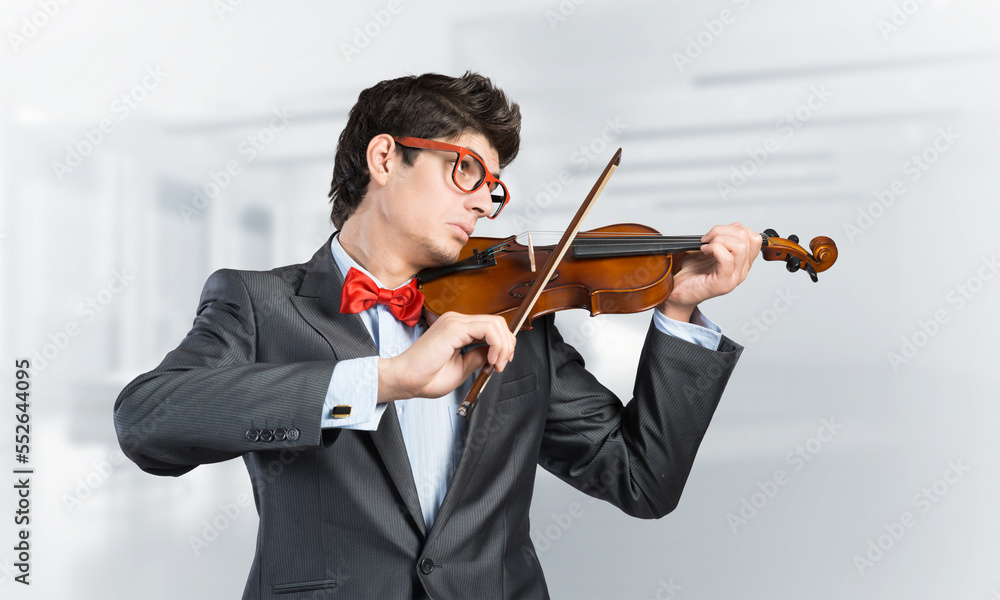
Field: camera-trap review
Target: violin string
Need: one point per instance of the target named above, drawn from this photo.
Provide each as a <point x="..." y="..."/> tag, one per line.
<point x="610" y="237"/>
<point x="641" y="240"/>
<point x="498" y="248"/>
<point x="598" y="234"/>
<point x="663" y="243"/>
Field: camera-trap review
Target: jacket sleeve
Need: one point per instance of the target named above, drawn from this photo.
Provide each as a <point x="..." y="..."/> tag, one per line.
<point x="637" y="456"/>
<point x="202" y="403"/>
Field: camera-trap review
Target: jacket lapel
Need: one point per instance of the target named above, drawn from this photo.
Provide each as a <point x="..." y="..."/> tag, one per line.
<point x="477" y="438"/>
<point x="318" y="301"/>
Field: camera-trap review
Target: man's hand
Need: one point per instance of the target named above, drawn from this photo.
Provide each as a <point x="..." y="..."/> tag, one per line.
<point x="434" y="365"/>
<point x="725" y="260"/>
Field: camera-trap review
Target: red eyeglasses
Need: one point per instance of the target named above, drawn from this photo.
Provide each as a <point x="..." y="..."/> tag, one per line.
<point x="469" y="173"/>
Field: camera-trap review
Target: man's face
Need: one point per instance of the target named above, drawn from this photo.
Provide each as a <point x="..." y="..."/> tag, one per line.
<point x="427" y="212"/>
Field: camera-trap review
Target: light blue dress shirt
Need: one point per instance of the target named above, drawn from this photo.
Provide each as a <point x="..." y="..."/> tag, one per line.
<point x="432" y="431"/>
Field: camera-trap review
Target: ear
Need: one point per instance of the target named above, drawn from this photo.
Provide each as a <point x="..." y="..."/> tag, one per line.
<point x="382" y="158"/>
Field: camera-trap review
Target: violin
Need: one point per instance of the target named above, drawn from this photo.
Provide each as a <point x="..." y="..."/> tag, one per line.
<point x="616" y="269"/>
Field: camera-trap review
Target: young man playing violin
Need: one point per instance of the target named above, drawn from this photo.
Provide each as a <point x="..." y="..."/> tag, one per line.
<point x="342" y="400"/>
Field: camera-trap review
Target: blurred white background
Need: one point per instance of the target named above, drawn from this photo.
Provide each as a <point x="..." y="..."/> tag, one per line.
<point x="872" y="391"/>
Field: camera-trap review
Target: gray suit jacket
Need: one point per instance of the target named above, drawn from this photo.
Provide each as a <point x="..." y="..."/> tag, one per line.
<point x="339" y="513"/>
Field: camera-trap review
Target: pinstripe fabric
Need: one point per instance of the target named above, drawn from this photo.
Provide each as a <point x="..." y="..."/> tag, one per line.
<point x="340" y="514"/>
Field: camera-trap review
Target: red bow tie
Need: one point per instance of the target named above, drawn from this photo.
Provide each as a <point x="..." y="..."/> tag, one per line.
<point x="360" y="293"/>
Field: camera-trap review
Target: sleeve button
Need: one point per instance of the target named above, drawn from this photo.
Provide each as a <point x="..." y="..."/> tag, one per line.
<point x="253" y="435"/>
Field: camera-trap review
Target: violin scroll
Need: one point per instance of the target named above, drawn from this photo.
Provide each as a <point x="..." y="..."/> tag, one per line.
<point x="824" y="252"/>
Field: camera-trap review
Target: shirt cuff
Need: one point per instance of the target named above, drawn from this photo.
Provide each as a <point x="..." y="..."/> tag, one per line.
<point x="700" y="330"/>
<point x="354" y="384"/>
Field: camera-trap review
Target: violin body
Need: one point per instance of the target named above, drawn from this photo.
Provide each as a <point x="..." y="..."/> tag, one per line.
<point x="622" y="284"/>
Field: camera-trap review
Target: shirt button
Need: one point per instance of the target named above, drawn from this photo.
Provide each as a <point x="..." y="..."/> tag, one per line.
<point x="393" y="352"/>
<point x="399" y="409"/>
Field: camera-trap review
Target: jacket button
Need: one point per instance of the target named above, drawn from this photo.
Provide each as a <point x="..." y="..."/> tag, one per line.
<point x="253" y="435"/>
<point x="266" y="435"/>
<point x="426" y="566"/>
<point x="292" y="434"/>
<point x="279" y="435"/>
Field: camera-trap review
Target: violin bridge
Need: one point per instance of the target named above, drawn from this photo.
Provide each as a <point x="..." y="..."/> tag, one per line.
<point x="531" y="252"/>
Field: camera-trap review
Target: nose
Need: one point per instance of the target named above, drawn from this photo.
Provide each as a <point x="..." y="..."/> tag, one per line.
<point x="480" y="202"/>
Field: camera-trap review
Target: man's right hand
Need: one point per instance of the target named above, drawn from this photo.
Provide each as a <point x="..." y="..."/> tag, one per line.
<point x="434" y="365"/>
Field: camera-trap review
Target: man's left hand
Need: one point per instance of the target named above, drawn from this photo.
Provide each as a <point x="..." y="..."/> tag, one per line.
<point x="723" y="264"/>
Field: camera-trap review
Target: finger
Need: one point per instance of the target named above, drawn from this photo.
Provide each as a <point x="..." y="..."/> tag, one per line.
<point x="750" y="243"/>
<point x="737" y="240"/>
<point x="755" y="243"/>
<point x="725" y="261"/>
<point x="758" y="242"/>
<point x="491" y="329"/>
<point x="720" y="230"/>
<point x="473" y="360"/>
<point x="738" y="244"/>
<point x="501" y="340"/>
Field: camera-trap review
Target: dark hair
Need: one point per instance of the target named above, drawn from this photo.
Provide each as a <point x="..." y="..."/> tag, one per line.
<point x="425" y="106"/>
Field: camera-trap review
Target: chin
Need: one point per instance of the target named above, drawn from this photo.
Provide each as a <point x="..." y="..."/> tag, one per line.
<point x="442" y="254"/>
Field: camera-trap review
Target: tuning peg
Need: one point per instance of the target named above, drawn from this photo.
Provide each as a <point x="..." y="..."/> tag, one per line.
<point x="812" y="273"/>
<point x="771" y="233"/>
<point x="793" y="263"/>
<point x="793" y="239"/>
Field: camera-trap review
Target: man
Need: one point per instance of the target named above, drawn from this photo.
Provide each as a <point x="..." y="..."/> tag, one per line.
<point x="342" y="402"/>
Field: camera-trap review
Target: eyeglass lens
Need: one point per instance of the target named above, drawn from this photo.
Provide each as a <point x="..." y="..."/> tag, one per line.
<point x="469" y="174"/>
